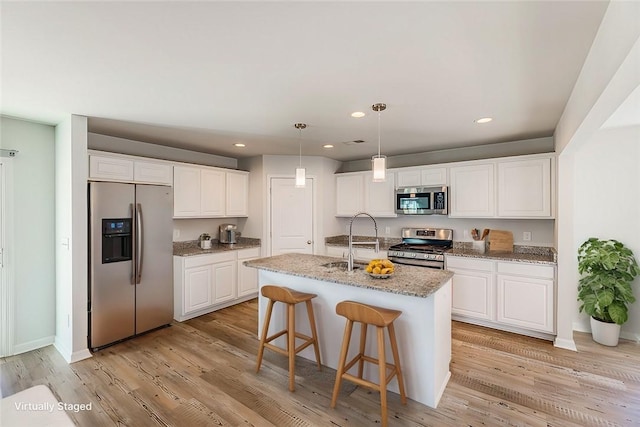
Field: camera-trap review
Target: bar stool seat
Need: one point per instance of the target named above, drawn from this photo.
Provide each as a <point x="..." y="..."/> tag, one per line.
<point x="289" y="297"/>
<point x="381" y="318"/>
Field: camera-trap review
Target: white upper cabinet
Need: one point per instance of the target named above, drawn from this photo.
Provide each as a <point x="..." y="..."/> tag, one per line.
<point x="349" y="194"/>
<point x="472" y="192"/>
<point x="204" y="192"/>
<point x="153" y="173"/>
<point x="110" y="168"/>
<point x="356" y="192"/>
<point x="237" y="199"/>
<point x="212" y="192"/>
<point x="518" y="187"/>
<point x="379" y="197"/>
<point x="524" y="188"/>
<point x="421" y="177"/>
<point x="131" y="169"/>
<point x="186" y="191"/>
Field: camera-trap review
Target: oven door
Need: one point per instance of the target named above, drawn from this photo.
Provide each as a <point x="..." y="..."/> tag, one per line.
<point x="438" y="265"/>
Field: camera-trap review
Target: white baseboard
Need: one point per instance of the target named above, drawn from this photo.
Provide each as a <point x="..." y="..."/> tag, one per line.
<point x="80" y="355"/>
<point x="564" y="343"/>
<point x="33" y="345"/>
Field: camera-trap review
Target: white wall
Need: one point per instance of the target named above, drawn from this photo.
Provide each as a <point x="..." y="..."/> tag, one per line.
<point x="321" y="168"/>
<point x="33" y="230"/>
<point x="607" y="201"/>
<point x="610" y="74"/>
<point x="143" y="149"/>
<point x="71" y="239"/>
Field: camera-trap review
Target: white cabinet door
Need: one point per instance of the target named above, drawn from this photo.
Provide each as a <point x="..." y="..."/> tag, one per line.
<point x="379" y="196"/>
<point x="186" y="191"/>
<point x="212" y="192"/>
<point x="349" y="194"/>
<point x="409" y="178"/>
<point x="247" y="276"/>
<point x="472" y="191"/>
<point x="525" y="302"/>
<point x="152" y="173"/>
<point x="422" y="177"/>
<point x="224" y="280"/>
<point x="434" y="176"/>
<point x="237" y="199"/>
<point x="198" y="288"/>
<point x="524" y="188"/>
<point x="110" y="168"/>
<point x="473" y="294"/>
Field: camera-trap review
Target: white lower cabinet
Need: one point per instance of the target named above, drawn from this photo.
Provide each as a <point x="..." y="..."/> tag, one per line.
<point x="525" y="297"/>
<point x="514" y="296"/>
<point x="205" y="283"/>
<point x="247" y="276"/>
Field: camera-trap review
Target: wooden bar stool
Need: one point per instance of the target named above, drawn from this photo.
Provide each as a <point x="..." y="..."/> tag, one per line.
<point x="290" y="298"/>
<point x="381" y="318"/>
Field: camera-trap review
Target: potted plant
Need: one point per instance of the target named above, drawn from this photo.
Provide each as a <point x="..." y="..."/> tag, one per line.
<point x="608" y="268"/>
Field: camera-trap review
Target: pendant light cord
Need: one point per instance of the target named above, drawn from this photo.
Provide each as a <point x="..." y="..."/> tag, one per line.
<point x="379" y="133"/>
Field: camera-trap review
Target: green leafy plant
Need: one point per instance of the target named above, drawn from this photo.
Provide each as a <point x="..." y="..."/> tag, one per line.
<point x="608" y="268"/>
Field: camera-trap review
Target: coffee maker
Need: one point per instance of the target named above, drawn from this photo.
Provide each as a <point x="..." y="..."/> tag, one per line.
<point x="228" y="233"/>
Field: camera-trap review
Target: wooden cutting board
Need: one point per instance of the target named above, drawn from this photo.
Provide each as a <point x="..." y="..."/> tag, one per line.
<point x="500" y="241"/>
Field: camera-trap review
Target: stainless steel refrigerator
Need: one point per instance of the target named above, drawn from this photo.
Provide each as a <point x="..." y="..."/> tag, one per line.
<point x="131" y="260"/>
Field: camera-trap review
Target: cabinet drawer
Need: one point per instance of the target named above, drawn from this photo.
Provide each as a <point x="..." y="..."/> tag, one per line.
<point x="469" y="263"/>
<point x="525" y="269"/>
<point x="249" y="253"/>
<point x="197" y="260"/>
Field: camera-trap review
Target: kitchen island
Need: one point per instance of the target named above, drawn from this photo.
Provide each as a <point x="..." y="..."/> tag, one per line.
<point x="423" y="330"/>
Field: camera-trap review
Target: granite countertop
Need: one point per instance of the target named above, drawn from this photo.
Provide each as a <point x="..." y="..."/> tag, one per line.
<point x="406" y="280"/>
<point x="532" y="254"/>
<point x="343" y="240"/>
<point x="191" y="248"/>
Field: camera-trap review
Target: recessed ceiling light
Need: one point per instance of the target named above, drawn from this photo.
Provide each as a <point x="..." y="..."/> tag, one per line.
<point x="239" y="144"/>
<point x="483" y="120"/>
<point x="357" y="114"/>
<point x="327" y="146"/>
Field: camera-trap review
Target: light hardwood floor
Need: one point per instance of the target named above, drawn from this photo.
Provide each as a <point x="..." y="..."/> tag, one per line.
<point x="202" y="372"/>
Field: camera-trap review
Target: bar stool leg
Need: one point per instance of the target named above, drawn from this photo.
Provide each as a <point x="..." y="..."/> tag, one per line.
<point x="363" y="341"/>
<point x="263" y="337"/>
<point x="291" y="344"/>
<point x="343" y="359"/>
<point x="314" y="334"/>
<point x="396" y="361"/>
<point x="382" y="366"/>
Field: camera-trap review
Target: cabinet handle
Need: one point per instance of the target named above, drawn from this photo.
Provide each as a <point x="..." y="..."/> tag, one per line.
<point x="308" y="242"/>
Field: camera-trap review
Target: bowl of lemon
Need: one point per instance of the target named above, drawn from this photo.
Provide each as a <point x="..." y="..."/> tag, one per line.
<point x="380" y="268"/>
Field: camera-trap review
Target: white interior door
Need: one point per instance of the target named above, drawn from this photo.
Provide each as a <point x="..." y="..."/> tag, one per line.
<point x="291" y="216"/>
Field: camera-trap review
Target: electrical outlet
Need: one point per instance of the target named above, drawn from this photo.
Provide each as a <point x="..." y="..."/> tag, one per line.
<point x="176" y="233"/>
<point x="526" y="236"/>
<point x="466" y="234"/>
<point x="387" y="231"/>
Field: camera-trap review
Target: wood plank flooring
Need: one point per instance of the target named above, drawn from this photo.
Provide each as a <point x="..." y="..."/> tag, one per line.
<point x="202" y="373"/>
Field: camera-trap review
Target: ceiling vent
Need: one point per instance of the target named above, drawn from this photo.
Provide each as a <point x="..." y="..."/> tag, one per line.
<point x="354" y="142"/>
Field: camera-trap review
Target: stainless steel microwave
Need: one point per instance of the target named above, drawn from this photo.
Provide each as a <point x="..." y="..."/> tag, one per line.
<point x="422" y="201"/>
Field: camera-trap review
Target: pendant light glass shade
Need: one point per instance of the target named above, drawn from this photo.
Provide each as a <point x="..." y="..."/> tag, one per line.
<point x="379" y="166"/>
<point x="379" y="162"/>
<point x="301" y="178"/>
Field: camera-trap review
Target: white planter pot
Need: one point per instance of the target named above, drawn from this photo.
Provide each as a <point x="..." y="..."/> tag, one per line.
<point x="605" y="333"/>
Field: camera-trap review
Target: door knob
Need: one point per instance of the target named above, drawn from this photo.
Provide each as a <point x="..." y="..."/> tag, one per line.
<point x="308" y="242"/>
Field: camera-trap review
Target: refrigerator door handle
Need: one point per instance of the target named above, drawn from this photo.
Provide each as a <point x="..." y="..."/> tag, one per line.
<point x="132" y="213"/>
<point x="139" y="237"/>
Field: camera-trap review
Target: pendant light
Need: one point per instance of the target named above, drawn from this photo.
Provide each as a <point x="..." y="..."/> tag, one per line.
<point x="301" y="179"/>
<point x="379" y="162"/>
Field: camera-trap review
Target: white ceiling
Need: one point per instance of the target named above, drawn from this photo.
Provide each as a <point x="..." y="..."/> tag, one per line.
<point x="204" y="75"/>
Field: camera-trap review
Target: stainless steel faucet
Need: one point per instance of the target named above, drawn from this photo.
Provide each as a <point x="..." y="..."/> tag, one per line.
<point x="351" y="242"/>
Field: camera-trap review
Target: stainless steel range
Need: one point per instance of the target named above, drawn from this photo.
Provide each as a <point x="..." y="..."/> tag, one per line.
<point x="422" y="246"/>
